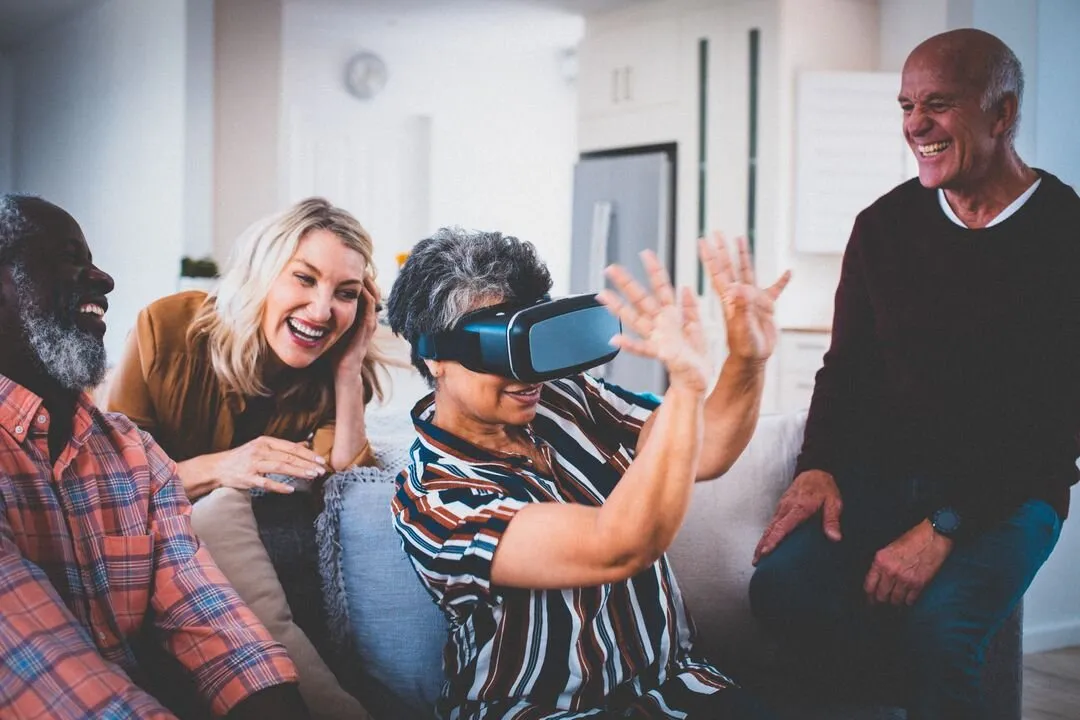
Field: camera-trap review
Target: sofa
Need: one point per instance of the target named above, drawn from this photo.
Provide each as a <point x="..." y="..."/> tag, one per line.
<point x="395" y="631"/>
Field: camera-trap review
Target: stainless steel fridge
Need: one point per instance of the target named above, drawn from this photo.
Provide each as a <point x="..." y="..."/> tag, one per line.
<point x="623" y="204"/>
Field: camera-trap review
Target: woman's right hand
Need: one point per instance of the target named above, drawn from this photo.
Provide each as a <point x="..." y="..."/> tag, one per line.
<point x="247" y="466"/>
<point x="667" y="330"/>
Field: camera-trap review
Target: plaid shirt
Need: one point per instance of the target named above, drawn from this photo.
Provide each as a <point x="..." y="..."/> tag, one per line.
<point x="97" y="554"/>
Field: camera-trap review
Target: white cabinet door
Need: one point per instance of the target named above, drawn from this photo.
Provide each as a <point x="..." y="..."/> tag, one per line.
<point x="800" y="354"/>
<point x="629" y="68"/>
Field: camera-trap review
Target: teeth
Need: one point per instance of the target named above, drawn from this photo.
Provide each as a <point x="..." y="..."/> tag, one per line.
<point x="303" y="329"/>
<point x="933" y="148"/>
<point x="92" y="309"/>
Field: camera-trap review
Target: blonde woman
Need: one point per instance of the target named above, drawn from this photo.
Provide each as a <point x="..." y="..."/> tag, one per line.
<point x="268" y="375"/>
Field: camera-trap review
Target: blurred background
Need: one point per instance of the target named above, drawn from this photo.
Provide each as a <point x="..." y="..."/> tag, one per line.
<point x="593" y="128"/>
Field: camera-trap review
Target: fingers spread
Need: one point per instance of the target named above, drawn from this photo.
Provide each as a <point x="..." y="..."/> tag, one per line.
<point x="774" y="290"/>
<point x="690" y="310"/>
<point x="634" y="346"/>
<point x="630" y="317"/>
<point x="714" y="255"/>
<point x="746" y="265"/>
<point x="643" y="302"/>
<point x="658" y="278"/>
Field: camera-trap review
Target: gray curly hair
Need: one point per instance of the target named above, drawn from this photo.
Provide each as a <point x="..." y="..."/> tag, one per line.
<point x="455" y="270"/>
<point x="14" y="226"/>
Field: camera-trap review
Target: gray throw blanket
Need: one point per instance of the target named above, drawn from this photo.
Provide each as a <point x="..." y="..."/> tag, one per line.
<point x="391" y="433"/>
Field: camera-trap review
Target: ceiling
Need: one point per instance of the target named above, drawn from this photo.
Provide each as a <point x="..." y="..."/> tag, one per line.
<point x="22" y="18"/>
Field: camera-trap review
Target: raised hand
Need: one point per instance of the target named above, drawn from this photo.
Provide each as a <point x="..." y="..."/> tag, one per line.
<point x="667" y="328"/>
<point x="354" y="346"/>
<point x="748" y="309"/>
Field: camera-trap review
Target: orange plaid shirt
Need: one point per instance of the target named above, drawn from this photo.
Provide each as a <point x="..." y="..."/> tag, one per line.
<point x="96" y="549"/>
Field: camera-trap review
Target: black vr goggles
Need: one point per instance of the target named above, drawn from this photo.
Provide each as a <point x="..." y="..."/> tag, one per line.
<point x="532" y="343"/>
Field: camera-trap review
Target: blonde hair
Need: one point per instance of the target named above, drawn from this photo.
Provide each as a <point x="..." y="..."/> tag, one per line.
<point x="230" y="319"/>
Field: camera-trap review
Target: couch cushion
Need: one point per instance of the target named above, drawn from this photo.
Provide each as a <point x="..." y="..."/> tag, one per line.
<point x="712" y="552"/>
<point x="226" y="526"/>
<point x="398" y="631"/>
<point x="393" y="624"/>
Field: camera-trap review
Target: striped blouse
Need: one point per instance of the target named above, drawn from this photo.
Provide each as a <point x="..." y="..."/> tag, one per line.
<point x="515" y="653"/>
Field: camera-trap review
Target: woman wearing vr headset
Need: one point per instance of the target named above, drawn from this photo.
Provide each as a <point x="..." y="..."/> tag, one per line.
<point x="269" y="375"/>
<point x="538" y="513"/>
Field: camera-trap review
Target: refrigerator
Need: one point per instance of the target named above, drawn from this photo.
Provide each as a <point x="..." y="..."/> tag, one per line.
<point x="623" y="204"/>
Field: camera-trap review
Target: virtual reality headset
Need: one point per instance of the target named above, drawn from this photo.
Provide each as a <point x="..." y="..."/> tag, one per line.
<point x="532" y="343"/>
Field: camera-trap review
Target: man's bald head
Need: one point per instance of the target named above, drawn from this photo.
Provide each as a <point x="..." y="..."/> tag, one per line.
<point x="980" y="61"/>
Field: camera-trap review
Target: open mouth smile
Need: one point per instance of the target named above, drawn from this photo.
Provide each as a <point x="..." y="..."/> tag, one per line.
<point x="529" y="394"/>
<point x="304" y="333"/>
<point x="90" y="314"/>
<point x="933" y="149"/>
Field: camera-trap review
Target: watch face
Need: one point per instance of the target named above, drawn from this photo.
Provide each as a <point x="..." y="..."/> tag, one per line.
<point x="946" y="521"/>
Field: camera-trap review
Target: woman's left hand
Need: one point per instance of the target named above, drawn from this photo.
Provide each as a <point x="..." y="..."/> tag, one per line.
<point x="350" y="361"/>
<point x="748" y="309"/>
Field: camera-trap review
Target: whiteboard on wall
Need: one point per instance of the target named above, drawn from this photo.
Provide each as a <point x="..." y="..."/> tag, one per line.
<point x="849" y="151"/>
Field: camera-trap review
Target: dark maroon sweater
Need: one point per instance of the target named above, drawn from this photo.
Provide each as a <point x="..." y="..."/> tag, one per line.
<point x="956" y="353"/>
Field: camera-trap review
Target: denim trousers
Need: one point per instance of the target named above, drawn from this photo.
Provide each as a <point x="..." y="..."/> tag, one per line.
<point x="808" y="593"/>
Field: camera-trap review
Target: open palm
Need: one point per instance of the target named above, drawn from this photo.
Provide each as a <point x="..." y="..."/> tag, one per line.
<point x="667" y="328"/>
<point x="748" y="309"/>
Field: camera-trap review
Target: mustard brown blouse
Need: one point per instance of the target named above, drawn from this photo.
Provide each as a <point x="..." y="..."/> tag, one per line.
<point x="167" y="386"/>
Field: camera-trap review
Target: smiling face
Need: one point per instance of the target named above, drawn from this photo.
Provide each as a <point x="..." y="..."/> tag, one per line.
<point x="315" y="299"/>
<point x="61" y="298"/>
<point x="953" y="138"/>
<point x="482" y="398"/>
<point x="470" y="403"/>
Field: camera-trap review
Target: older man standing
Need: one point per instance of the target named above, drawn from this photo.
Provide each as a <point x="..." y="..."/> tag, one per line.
<point x="104" y="590"/>
<point x="942" y="435"/>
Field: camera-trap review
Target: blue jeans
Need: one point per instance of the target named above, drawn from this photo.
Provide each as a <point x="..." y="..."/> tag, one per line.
<point x="808" y="593"/>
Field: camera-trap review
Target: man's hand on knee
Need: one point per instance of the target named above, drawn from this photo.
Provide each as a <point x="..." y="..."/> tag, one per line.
<point x="811" y="491"/>
<point x="904" y="567"/>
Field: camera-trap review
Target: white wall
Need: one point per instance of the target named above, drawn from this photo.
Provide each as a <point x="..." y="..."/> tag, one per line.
<point x="1016" y="23"/>
<point x="100" y="130"/>
<point x="808" y="300"/>
<point x="485" y="78"/>
<point x="198" y="237"/>
<point x="905" y="24"/>
<point x="1052" y="605"/>
<point x="1057" y="105"/>
<point x="7" y="121"/>
<point x="247" y="116"/>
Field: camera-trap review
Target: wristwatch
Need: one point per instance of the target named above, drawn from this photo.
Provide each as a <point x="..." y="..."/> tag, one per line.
<point x="946" y="521"/>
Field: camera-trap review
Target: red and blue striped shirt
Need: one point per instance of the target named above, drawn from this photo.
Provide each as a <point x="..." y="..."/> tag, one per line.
<point x="534" y="654"/>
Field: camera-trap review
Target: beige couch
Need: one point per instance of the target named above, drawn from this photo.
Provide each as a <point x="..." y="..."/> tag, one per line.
<point x="398" y="633"/>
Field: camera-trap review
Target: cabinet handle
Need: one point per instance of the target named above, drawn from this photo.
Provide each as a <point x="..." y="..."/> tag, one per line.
<point x="615" y="85"/>
<point x="627" y="93"/>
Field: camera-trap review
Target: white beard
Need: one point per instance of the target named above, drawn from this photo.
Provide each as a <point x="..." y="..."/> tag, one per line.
<point x="72" y="357"/>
